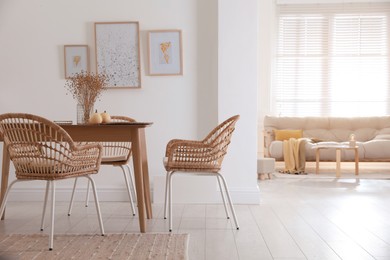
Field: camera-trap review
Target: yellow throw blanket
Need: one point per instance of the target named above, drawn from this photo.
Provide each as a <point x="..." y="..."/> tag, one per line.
<point x="294" y="156"/>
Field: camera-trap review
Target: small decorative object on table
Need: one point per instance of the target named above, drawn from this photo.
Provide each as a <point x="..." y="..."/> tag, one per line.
<point x="96" y="118"/>
<point x="63" y="122"/>
<point x="106" y="117"/>
<point x="86" y="87"/>
<point x="352" y="141"/>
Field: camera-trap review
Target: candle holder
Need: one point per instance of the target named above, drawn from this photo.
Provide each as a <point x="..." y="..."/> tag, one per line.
<point x="352" y="141"/>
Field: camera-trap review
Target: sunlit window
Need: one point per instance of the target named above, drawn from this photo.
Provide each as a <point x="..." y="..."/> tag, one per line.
<point x="332" y="60"/>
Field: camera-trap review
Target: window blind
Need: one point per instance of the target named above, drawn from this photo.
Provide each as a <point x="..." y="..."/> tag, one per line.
<point x="332" y="60"/>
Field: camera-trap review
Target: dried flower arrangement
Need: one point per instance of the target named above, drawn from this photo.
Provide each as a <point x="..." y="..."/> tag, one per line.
<point x="86" y="87"/>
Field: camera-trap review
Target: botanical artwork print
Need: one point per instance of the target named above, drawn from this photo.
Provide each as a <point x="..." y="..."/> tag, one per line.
<point x="117" y="53"/>
<point x="165" y="53"/>
<point x="76" y="61"/>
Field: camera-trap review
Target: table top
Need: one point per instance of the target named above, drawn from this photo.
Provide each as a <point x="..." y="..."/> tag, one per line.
<point x="112" y="132"/>
<point x="107" y="124"/>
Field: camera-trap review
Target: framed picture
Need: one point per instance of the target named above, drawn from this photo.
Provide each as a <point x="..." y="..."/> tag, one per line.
<point x="76" y="59"/>
<point x="118" y="53"/>
<point x="165" y="52"/>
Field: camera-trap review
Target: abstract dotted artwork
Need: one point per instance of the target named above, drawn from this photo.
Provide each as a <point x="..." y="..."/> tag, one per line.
<point x="118" y="53"/>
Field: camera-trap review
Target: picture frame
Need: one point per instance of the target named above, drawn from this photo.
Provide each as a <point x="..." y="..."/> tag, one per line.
<point x="76" y="59"/>
<point x="117" y="53"/>
<point x="165" y="52"/>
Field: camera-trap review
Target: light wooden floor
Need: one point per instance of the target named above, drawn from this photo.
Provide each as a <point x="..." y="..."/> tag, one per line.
<point x="306" y="218"/>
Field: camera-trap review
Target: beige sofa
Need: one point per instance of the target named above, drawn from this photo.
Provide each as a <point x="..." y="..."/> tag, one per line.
<point x="372" y="136"/>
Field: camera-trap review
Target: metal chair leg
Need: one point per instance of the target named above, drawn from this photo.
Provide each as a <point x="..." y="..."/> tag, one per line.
<point x="4" y="202"/>
<point x="223" y="198"/>
<point x="44" y="205"/>
<point x="127" y="180"/>
<point x="229" y="199"/>
<point x="53" y="201"/>
<point x="131" y="176"/>
<point x="128" y="189"/>
<point x="96" y="203"/>
<point x="170" y="200"/>
<point x="166" y="194"/>
<point x="72" y="197"/>
<point x="87" y="195"/>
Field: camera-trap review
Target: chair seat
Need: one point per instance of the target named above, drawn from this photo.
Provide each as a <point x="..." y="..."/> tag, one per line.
<point x="50" y="170"/>
<point x="191" y="166"/>
<point x="117" y="158"/>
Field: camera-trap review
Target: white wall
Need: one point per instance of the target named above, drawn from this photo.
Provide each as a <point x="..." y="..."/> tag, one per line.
<point x="32" y="35"/>
<point x="267" y="50"/>
<point x="32" y="68"/>
<point x="327" y="1"/>
<point x="237" y="91"/>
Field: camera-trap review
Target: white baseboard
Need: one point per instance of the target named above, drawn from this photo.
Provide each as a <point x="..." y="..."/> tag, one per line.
<point x="191" y="190"/>
<point x="64" y="194"/>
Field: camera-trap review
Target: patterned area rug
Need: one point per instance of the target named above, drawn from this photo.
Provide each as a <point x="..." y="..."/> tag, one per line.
<point x="110" y="246"/>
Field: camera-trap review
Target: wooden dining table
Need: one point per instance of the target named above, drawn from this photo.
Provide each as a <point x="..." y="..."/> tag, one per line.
<point x="113" y="132"/>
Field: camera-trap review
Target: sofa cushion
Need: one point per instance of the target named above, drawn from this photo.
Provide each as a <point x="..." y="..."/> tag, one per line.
<point x="365" y="134"/>
<point x="384" y="131"/>
<point x="377" y="149"/>
<point x="276" y="151"/>
<point x="382" y="137"/>
<point x="340" y="135"/>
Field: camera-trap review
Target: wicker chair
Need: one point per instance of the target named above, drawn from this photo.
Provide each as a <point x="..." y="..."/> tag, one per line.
<point x="115" y="154"/>
<point x="42" y="150"/>
<point x="200" y="158"/>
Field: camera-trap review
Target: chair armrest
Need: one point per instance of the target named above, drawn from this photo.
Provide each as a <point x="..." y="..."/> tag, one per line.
<point x="186" y="152"/>
<point x="45" y="161"/>
<point x="175" y="142"/>
<point x="88" y="155"/>
<point x="87" y="146"/>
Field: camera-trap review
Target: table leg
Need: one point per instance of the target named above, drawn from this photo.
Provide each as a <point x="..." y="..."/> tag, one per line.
<point x="317" y="160"/>
<point x="4" y="175"/>
<point x="145" y="170"/>
<point x="338" y="160"/>
<point x="356" y="161"/>
<point x="138" y="176"/>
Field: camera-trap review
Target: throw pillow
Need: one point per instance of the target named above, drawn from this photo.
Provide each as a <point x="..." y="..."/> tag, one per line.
<point x="281" y="135"/>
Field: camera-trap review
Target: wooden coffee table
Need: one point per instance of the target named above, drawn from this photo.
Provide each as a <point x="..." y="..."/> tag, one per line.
<point x="338" y="148"/>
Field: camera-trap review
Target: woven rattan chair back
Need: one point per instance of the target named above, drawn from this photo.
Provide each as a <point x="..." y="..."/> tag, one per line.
<point x="219" y="139"/>
<point x="205" y="155"/>
<point x="41" y="149"/>
<point x="117" y="149"/>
